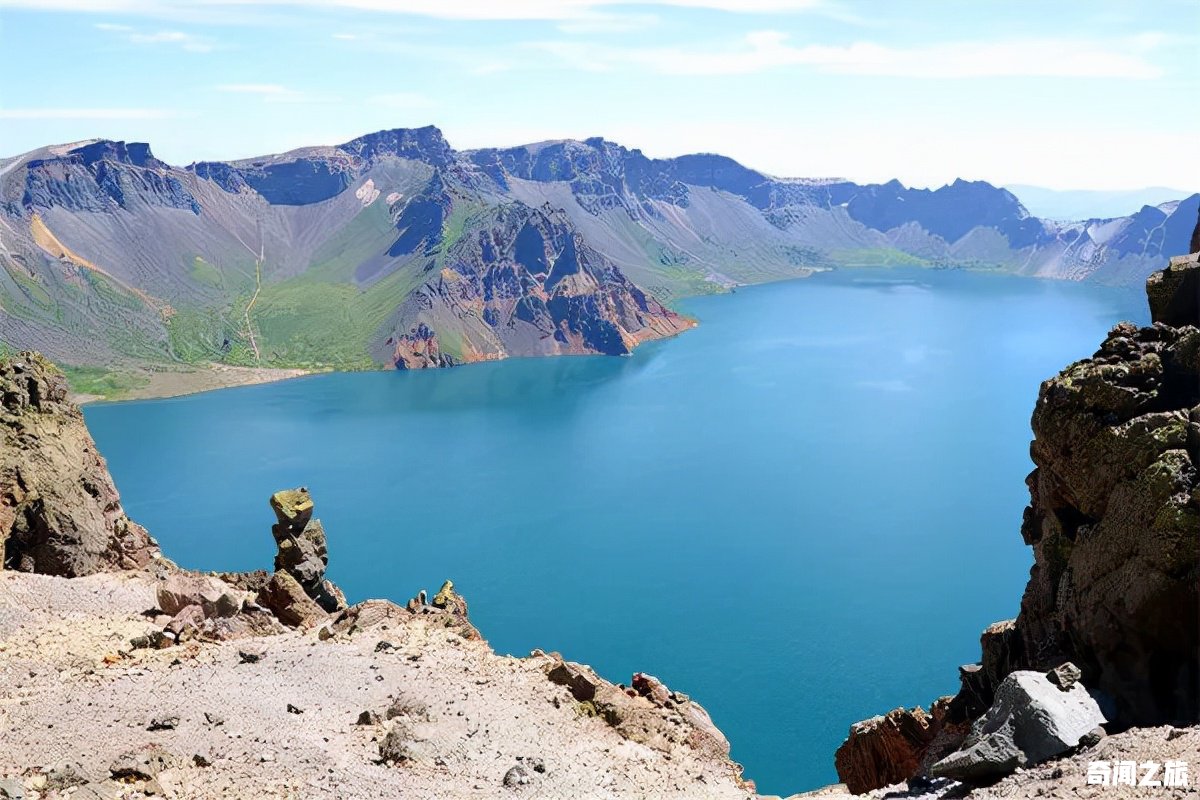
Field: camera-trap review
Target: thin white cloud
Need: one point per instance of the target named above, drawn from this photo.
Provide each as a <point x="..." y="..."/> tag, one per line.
<point x="186" y="41"/>
<point x="88" y="113"/>
<point x="604" y="22"/>
<point x="443" y="9"/>
<point x="273" y="93"/>
<point x="400" y="100"/>
<point x="193" y="44"/>
<point x="765" y="50"/>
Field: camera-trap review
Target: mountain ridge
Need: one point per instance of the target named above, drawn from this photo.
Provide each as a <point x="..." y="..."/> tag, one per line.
<point x="319" y="257"/>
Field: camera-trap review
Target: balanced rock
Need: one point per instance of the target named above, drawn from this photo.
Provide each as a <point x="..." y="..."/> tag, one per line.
<point x="302" y="548"/>
<point x="1064" y="676"/>
<point x="301" y="540"/>
<point x="1032" y="720"/>
<point x="60" y="513"/>
<point x="293" y="507"/>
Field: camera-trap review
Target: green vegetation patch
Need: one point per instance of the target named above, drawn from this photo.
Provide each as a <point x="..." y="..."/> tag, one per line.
<point x="109" y="384"/>
<point x="198" y="335"/>
<point x="309" y="323"/>
<point x="367" y="235"/>
<point x="206" y="273"/>
<point x="876" y="257"/>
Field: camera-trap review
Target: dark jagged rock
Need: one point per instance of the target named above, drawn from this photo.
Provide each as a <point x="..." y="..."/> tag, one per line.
<point x="1032" y="720"/>
<point x="418" y="144"/>
<point x="1114" y="514"/>
<point x="1175" y="292"/>
<point x="523" y="281"/>
<point x="60" y="513"/>
<point x="289" y="603"/>
<point x="1113" y="519"/>
<point x="103" y="175"/>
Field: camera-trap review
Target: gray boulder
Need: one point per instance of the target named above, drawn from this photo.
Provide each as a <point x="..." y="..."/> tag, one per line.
<point x="1031" y="720"/>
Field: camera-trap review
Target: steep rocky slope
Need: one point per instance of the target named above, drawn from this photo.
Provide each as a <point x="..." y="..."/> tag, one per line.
<point x="60" y="513"/>
<point x="394" y="248"/>
<point x="1113" y="521"/>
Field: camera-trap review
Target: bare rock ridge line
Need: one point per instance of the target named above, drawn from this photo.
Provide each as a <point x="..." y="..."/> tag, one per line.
<point x="1113" y="598"/>
<point x="396" y="250"/>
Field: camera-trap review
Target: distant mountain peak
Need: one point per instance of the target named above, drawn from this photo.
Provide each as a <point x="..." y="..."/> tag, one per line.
<point x="423" y="144"/>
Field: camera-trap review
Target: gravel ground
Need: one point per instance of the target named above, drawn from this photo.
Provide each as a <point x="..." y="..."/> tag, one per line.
<point x="277" y="716"/>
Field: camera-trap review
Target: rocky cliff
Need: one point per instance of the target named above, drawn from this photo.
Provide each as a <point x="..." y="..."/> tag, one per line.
<point x="525" y="282"/>
<point x="1113" y="519"/>
<point x="60" y="513"/>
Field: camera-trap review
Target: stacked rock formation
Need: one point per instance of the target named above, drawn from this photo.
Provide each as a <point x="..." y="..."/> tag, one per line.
<point x="298" y="592"/>
<point x="60" y="513"/>
<point x="1113" y="521"/>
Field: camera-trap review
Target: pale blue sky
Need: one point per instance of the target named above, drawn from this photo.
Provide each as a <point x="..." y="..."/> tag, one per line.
<point x="1093" y="94"/>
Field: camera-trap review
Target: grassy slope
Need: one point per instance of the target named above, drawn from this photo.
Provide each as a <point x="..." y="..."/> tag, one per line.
<point x="323" y="319"/>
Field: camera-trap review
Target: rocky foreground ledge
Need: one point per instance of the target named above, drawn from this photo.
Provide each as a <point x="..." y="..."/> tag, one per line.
<point x="124" y="675"/>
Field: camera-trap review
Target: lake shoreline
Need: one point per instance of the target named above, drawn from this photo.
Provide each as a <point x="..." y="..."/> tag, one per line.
<point x="182" y="383"/>
<point x="214" y="376"/>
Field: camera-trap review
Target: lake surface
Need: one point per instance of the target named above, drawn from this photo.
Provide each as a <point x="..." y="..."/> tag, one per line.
<point x="802" y="513"/>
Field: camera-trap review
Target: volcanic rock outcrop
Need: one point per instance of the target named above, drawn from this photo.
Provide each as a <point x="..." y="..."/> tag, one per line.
<point x="884" y="750"/>
<point x="525" y="282"/>
<point x="1113" y="521"/>
<point x="303" y="554"/>
<point x="60" y="513"/>
<point x="1035" y="717"/>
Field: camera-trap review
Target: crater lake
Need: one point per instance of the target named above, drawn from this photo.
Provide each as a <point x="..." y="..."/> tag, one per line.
<point x="799" y="513"/>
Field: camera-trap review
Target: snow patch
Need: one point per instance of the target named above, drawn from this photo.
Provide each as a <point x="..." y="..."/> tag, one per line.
<point x="367" y="193"/>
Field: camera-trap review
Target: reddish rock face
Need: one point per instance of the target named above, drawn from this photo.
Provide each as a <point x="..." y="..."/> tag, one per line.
<point x="60" y="513"/>
<point x="522" y="281"/>
<point x="419" y="349"/>
<point x="883" y="750"/>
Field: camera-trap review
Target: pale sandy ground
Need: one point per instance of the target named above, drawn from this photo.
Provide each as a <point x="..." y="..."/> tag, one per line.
<point x="59" y="700"/>
<point x="72" y="690"/>
<point x="201" y="379"/>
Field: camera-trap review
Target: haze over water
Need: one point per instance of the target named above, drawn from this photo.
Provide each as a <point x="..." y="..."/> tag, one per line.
<point x="801" y="513"/>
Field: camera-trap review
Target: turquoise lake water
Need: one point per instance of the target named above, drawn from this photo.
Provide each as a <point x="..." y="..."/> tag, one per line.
<point x="801" y="513"/>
